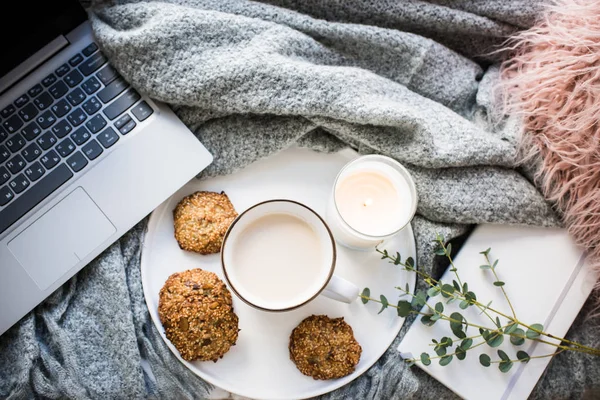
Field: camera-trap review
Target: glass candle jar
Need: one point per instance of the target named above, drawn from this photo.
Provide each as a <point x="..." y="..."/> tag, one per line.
<point x="373" y="198"/>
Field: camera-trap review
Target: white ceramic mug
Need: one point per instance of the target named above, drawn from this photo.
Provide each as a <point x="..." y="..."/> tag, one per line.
<point x="252" y="266"/>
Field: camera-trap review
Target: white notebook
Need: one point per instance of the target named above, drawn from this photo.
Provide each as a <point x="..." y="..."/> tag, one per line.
<point x="547" y="281"/>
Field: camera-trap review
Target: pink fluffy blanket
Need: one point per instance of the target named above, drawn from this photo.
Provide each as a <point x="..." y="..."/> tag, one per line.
<point x="553" y="81"/>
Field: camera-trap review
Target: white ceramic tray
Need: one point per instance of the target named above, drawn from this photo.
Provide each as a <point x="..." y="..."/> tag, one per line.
<point x="258" y="366"/>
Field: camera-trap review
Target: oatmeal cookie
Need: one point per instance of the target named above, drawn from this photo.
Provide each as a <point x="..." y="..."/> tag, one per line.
<point x="201" y="220"/>
<point x="324" y="348"/>
<point x="196" y="311"/>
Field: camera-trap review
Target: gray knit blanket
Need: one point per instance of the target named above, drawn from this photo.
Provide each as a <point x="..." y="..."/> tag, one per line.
<point x="409" y="79"/>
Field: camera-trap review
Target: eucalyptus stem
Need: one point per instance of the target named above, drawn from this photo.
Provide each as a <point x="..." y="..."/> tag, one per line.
<point x="530" y="358"/>
<point x="452" y="354"/>
<point x="433" y="282"/>
<point x="487" y="259"/>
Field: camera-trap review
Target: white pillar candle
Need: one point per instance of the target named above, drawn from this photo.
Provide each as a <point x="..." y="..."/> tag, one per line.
<point x="373" y="198"/>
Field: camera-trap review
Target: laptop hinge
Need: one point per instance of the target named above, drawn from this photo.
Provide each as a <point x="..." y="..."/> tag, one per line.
<point x="37" y="59"/>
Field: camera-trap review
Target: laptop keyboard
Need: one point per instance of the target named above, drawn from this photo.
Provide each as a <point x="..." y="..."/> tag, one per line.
<point x="61" y="125"/>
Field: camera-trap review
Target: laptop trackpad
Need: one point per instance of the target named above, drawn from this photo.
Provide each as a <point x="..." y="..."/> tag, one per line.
<point x="56" y="241"/>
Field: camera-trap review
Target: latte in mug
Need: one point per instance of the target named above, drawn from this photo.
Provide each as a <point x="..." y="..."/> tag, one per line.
<point x="279" y="255"/>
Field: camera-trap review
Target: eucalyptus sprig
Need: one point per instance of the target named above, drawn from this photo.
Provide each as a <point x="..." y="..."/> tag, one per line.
<point x="504" y="325"/>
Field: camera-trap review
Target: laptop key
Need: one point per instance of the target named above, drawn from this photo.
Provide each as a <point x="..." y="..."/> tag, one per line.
<point x="77" y="162"/>
<point x="46" y="119"/>
<point x="62" y="128"/>
<point x="19" y="183"/>
<point x="7" y="111"/>
<point x="63" y="69"/>
<point x="31" y="131"/>
<point x="61" y="108"/>
<point x="122" y="121"/>
<point x="34" y="196"/>
<point x="76" y="60"/>
<point x="107" y="75"/>
<point x="4" y="154"/>
<point x="65" y="147"/>
<point x="50" y="159"/>
<point x="125" y="129"/>
<point x="96" y="123"/>
<point x="12" y="124"/>
<point x="16" y="164"/>
<point x="43" y="101"/>
<point x="91" y="85"/>
<point x="34" y="91"/>
<point x="31" y="152"/>
<point x="49" y="80"/>
<point x="92" y="106"/>
<point x="21" y="101"/>
<point x="92" y="64"/>
<point x="15" y="143"/>
<point x="90" y="49"/>
<point x="4" y="175"/>
<point x="73" y="78"/>
<point x="108" y="137"/>
<point x="81" y="135"/>
<point x="76" y="97"/>
<point x="120" y="105"/>
<point x="46" y="141"/>
<point x="3" y="134"/>
<point x="77" y="117"/>
<point x="58" y="90"/>
<point x="142" y="111"/>
<point x="5" y="195"/>
<point x="28" y="112"/>
<point x="92" y="150"/>
<point x="34" y="171"/>
<point x="111" y="91"/>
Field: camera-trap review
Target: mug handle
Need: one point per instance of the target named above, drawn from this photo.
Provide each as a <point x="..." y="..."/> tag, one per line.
<point x="341" y="290"/>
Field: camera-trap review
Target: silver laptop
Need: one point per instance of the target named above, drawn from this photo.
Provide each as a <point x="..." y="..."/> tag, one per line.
<point x="83" y="156"/>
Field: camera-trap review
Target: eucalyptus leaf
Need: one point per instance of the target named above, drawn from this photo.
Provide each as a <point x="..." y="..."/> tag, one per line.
<point x="419" y="299"/>
<point x="523" y="356"/>
<point x="498" y="323"/>
<point x="426" y="320"/>
<point x="434" y="291"/>
<point x="460" y="353"/>
<point x="511" y="328"/>
<point x="366" y="293"/>
<point x="516" y="340"/>
<point x="485" y="252"/>
<point x="440" y="251"/>
<point x="456" y="286"/>
<point x="449" y="248"/>
<point x="503" y="355"/>
<point x="439" y="237"/>
<point x="485" y="266"/>
<point x="495" y="264"/>
<point x="441" y="351"/>
<point x="505" y="366"/>
<point x="485" y="308"/>
<point x="445" y="360"/>
<point x="404" y="308"/>
<point x="531" y="334"/>
<point x="466" y="344"/>
<point x="410" y="262"/>
<point x="447" y="290"/>
<point x="384" y="303"/>
<point x="439" y="307"/>
<point x="435" y="317"/>
<point x="495" y="339"/>
<point x="464" y="304"/>
<point x="485" y="360"/>
<point x="498" y="283"/>
<point x="465" y="288"/>
<point x="425" y="359"/>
